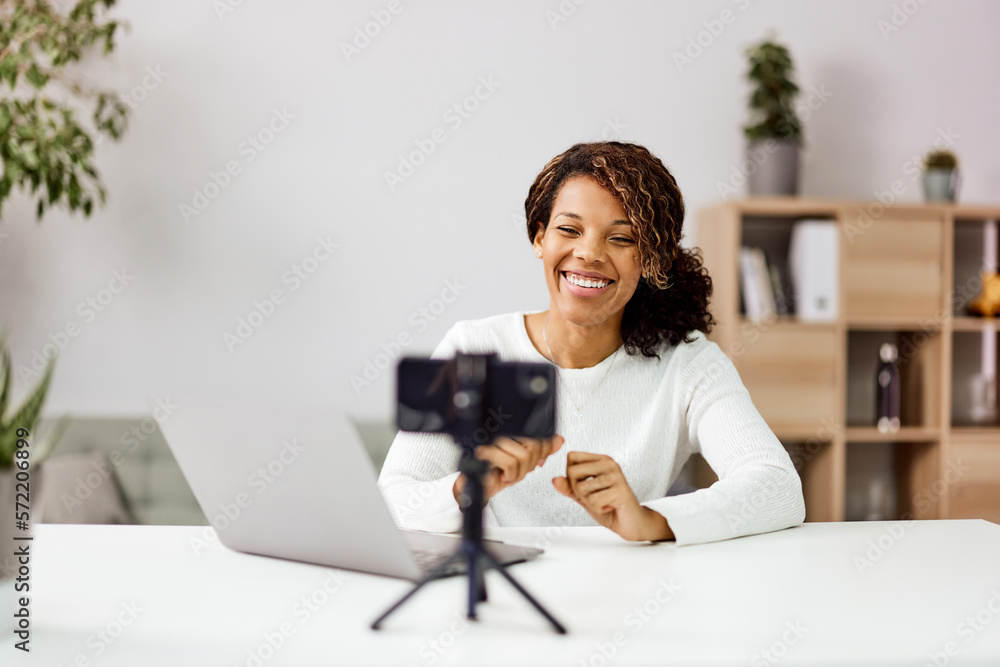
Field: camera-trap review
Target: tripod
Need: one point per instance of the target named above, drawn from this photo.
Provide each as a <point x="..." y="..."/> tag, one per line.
<point x="468" y="399"/>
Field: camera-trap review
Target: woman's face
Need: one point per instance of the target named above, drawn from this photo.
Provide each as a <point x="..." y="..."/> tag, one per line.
<point x="589" y="238"/>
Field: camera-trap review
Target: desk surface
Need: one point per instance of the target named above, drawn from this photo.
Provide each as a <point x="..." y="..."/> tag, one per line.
<point x="819" y="594"/>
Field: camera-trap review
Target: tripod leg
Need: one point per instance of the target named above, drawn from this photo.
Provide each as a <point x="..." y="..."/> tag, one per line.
<point x="481" y="570"/>
<point x="475" y="575"/>
<point x="420" y="584"/>
<point x="513" y="582"/>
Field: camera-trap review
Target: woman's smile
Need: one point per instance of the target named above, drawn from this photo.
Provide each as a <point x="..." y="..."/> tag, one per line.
<point x="585" y="286"/>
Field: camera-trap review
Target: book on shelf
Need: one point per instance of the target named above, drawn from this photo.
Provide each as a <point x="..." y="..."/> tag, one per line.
<point x="756" y="285"/>
<point x="781" y="291"/>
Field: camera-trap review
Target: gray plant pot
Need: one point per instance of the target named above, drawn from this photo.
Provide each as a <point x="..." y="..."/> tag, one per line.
<point x="772" y="167"/>
<point x="8" y="530"/>
<point x="940" y="184"/>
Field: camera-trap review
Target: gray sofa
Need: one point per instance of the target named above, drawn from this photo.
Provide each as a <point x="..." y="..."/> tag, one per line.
<point x="120" y="470"/>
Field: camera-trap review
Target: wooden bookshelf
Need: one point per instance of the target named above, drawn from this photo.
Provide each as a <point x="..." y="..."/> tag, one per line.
<point x="906" y="274"/>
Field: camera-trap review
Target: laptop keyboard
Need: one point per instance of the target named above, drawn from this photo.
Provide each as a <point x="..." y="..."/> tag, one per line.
<point x="428" y="560"/>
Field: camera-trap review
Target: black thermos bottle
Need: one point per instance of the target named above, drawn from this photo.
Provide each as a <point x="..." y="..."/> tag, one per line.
<point x="888" y="389"/>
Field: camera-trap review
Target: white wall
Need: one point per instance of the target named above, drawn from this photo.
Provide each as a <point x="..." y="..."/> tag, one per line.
<point x="607" y="69"/>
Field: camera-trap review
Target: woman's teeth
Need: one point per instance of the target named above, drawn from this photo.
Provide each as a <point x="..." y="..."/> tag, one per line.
<point x="586" y="282"/>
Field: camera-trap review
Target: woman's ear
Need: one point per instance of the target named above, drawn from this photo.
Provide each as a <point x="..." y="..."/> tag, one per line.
<point x="537" y="243"/>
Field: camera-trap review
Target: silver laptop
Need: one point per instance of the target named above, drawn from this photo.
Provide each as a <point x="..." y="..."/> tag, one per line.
<point x="298" y="483"/>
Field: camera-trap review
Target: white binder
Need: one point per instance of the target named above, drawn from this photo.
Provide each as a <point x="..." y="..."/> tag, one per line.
<point x="812" y="263"/>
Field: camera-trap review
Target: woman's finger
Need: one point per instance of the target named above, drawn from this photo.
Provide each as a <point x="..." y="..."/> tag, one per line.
<point x="517" y="452"/>
<point x="581" y="471"/>
<point x="587" y="486"/>
<point x="562" y="486"/>
<point x="604" y="500"/>
<point x="499" y="459"/>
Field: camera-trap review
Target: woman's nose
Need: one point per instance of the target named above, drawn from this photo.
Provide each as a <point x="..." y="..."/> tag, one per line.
<point x="589" y="249"/>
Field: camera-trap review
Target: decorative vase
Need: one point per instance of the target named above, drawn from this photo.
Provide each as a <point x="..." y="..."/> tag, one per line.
<point x="940" y="184"/>
<point x="773" y="167"/>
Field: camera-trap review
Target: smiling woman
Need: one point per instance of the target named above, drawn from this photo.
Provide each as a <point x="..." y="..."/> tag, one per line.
<point x="640" y="387"/>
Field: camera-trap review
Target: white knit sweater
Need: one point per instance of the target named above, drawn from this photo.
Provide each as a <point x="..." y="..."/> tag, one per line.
<point x="648" y="415"/>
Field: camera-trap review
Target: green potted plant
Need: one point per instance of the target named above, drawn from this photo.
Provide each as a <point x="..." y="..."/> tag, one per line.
<point x="47" y="153"/>
<point x="774" y="132"/>
<point x="19" y="473"/>
<point x="45" y="150"/>
<point x="940" y="176"/>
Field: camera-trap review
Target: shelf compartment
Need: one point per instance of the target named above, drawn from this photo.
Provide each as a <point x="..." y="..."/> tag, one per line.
<point x="969" y="255"/>
<point x="920" y="370"/>
<point x="971" y="398"/>
<point x="892" y="480"/>
<point x="791" y="376"/>
<point x="893" y="265"/>
<point x="773" y="235"/>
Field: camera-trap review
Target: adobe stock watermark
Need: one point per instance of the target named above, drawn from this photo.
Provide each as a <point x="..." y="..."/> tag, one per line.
<point x="899" y="16"/>
<point x="363" y="35"/>
<point x="454" y="117"/>
<point x="101" y="640"/>
<point x="562" y="12"/>
<point x="968" y="629"/>
<point x="304" y="609"/>
<point x="421" y="318"/>
<point x="762" y="152"/>
<point x="264" y="309"/>
<point x="224" y="7"/>
<point x="772" y="655"/>
<point x="432" y="649"/>
<point x="912" y="168"/>
<point x="636" y="619"/>
<point x="923" y="501"/>
<point x="86" y="485"/>
<point x="259" y="481"/>
<point x="87" y="310"/>
<point x="704" y="39"/>
<point x="248" y="149"/>
<point x="152" y="79"/>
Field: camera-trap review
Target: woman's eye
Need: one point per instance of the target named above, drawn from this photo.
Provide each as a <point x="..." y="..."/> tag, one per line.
<point x="622" y="239"/>
<point x="568" y="230"/>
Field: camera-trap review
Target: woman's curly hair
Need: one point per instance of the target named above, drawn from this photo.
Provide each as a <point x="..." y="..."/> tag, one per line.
<point x="673" y="300"/>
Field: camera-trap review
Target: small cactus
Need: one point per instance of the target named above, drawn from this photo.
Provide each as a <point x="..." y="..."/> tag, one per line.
<point x="940" y="160"/>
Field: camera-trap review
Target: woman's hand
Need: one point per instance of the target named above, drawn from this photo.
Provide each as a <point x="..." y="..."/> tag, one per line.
<point x="510" y="460"/>
<point x="596" y="482"/>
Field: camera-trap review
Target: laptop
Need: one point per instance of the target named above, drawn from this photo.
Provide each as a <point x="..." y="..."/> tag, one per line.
<point x="298" y="483"/>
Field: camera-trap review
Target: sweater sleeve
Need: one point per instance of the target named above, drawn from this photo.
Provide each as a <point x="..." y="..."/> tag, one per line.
<point x="758" y="489"/>
<point x="420" y="470"/>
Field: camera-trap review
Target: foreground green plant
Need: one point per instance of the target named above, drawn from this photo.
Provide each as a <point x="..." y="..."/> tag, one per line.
<point x="24" y="417"/>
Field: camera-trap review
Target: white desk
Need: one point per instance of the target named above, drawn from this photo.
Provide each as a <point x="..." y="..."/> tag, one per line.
<point x="798" y="593"/>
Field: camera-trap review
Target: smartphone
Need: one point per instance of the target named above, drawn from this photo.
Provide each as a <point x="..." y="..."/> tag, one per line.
<point x="519" y="398"/>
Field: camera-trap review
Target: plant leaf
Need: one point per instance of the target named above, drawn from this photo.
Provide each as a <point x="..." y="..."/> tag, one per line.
<point x="24" y="417"/>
